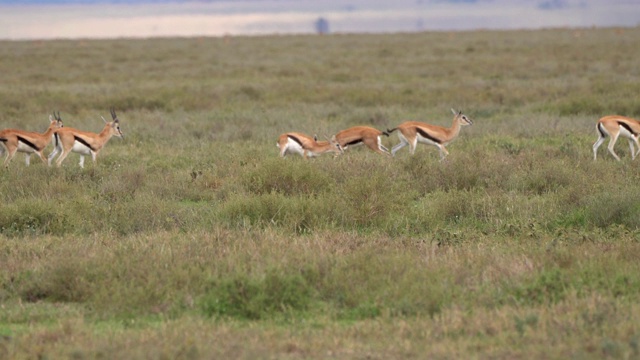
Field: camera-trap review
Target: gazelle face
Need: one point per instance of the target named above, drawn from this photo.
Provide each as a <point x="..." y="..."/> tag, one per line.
<point x="55" y="121"/>
<point x="115" y="128"/>
<point x="462" y="118"/>
<point x="335" y="145"/>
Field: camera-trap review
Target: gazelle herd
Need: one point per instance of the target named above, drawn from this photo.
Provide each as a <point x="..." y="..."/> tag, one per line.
<point x="67" y="140"/>
<point x="410" y="133"/>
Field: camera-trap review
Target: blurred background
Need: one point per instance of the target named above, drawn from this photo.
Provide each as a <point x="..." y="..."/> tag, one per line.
<point x="73" y="19"/>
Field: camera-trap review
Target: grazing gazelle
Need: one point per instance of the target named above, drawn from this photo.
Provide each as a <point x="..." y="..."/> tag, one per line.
<point x="362" y="135"/>
<point x="84" y="143"/>
<point x="615" y="126"/>
<point x="413" y="132"/>
<point x="14" y="141"/>
<point x="307" y="146"/>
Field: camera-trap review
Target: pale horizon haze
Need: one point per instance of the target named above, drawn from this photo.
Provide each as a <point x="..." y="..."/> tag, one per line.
<point x="102" y="19"/>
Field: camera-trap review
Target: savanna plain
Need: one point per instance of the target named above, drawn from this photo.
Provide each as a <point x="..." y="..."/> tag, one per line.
<point x="192" y="239"/>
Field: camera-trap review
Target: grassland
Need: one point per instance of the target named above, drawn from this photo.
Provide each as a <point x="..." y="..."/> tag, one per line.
<point x="191" y="239"/>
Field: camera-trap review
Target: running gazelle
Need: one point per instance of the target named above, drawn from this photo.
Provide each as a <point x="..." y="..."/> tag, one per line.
<point x="69" y="140"/>
<point x="615" y="126"/>
<point x="412" y="132"/>
<point x="366" y="135"/>
<point x="305" y="145"/>
<point x="28" y="142"/>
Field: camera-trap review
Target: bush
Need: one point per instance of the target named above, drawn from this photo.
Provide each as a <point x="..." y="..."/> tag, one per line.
<point x="253" y="298"/>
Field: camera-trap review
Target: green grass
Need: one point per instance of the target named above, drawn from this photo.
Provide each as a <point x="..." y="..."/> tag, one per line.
<point x="192" y="239"/>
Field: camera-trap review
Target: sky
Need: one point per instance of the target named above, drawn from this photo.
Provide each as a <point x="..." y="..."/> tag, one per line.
<point x="94" y="19"/>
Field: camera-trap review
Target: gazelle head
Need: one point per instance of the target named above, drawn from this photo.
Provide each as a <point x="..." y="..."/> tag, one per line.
<point x="114" y="125"/>
<point x="55" y="120"/>
<point x="335" y="145"/>
<point x="461" y="118"/>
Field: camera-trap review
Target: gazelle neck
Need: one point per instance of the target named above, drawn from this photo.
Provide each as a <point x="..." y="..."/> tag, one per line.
<point x="106" y="133"/>
<point x="454" y="130"/>
<point x="50" y="131"/>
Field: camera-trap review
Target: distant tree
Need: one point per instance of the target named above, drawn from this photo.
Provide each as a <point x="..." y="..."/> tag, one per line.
<point x="322" y="26"/>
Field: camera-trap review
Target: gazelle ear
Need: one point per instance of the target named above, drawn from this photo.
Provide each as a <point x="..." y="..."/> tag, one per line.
<point x="103" y="119"/>
<point x="454" y="112"/>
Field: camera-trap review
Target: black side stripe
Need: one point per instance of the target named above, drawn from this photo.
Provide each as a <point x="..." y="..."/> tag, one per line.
<point x="626" y="126"/>
<point x="295" y="139"/>
<point x="426" y="135"/>
<point x="602" y="133"/>
<point x="354" y="142"/>
<point x="3" y="140"/>
<point x="83" y="142"/>
<point x="29" y="143"/>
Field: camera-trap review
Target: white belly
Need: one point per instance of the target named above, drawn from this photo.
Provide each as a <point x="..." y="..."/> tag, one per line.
<point x="294" y="148"/>
<point x="80" y="148"/>
<point x="424" y="140"/>
<point x="22" y="147"/>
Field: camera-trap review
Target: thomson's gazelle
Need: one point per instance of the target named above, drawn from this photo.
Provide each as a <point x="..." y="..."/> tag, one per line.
<point x="84" y="143"/>
<point x="307" y="146"/>
<point x="28" y="142"/>
<point x="412" y="132"/>
<point x="615" y="126"/>
<point x="357" y="135"/>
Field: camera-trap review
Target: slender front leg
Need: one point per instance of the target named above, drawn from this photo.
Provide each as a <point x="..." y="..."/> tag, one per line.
<point x="612" y="143"/>
<point x="53" y="154"/>
<point x="399" y="146"/>
<point x="27" y="158"/>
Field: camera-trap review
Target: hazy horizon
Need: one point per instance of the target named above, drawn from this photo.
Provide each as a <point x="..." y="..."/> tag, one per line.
<point x="78" y="19"/>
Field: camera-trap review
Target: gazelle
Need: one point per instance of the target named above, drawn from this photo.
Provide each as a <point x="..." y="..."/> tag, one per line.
<point x="413" y="132"/>
<point x="84" y="143"/>
<point x="14" y="141"/>
<point x="362" y="135"/>
<point x="307" y="146"/>
<point x="615" y="126"/>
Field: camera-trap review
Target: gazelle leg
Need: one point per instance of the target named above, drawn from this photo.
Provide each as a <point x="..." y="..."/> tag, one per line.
<point x="41" y="156"/>
<point x="399" y="146"/>
<point x="413" y="146"/>
<point x="443" y="152"/>
<point x="633" y="150"/>
<point x="27" y="158"/>
<point x="382" y="149"/>
<point x="82" y="161"/>
<point x="62" y="157"/>
<point x="53" y="154"/>
<point x="635" y="139"/>
<point x="10" y="155"/>
<point x="596" y="145"/>
<point x="612" y="143"/>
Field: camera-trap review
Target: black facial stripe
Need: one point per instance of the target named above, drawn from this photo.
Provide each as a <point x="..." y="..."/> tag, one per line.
<point x="29" y="143"/>
<point x="83" y="142"/>
<point x="426" y="135"/>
